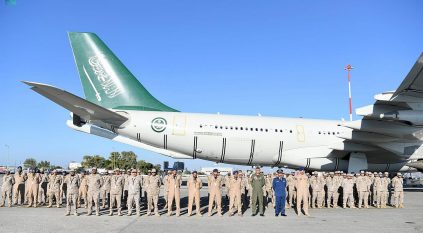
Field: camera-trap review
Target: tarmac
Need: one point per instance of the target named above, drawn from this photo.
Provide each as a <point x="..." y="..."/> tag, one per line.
<point x="42" y="219"/>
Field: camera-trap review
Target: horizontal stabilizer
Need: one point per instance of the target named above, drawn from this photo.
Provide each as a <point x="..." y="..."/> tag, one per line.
<point x="77" y="105"/>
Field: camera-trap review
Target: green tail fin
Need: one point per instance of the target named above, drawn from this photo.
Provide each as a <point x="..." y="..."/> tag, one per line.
<point x="106" y="81"/>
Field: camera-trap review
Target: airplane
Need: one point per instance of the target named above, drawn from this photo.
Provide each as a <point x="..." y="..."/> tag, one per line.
<point x="119" y="108"/>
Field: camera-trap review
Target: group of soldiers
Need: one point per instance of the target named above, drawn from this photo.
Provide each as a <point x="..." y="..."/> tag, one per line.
<point x="236" y="192"/>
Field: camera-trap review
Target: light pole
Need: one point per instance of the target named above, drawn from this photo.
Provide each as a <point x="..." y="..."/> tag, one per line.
<point x="8" y="154"/>
<point x="348" y="68"/>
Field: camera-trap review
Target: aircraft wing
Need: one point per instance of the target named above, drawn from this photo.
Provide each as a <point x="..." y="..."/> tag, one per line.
<point x="77" y="105"/>
<point x="393" y="125"/>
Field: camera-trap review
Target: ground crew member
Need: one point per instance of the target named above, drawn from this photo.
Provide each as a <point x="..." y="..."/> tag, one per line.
<point x="194" y="185"/>
<point x="362" y="185"/>
<point x="72" y="182"/>
<point x="83" y="189"/>
<point x="42" y="190"/>
<point x="292" y="193"/>
<point x="105" y="189"/>
<point x="235" y="187"/>
<point x="6" y="189"/>
<point x="95" y="182"/>
<point x="116" y="186"/>
<point x="215" y="193"/>
<point x="153" y="191"/>
<point x="166" y="190"/>
<point x="302" y="187"/>
<point x="53" y="189"/>
<point x="257" y="182"/>
<point x="134" y="192"/>
<point x="279" y="187"/>
<point x="397" y="184"/>
<point x="385" y="181"/>
<point x="347" y="187"/>
<point x="33" y="184"/>
<point x="174" y="186"/>
<point x="19" y="186"/>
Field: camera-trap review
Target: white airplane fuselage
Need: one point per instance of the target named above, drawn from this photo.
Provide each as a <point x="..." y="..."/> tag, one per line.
<point x="244" y="140"/>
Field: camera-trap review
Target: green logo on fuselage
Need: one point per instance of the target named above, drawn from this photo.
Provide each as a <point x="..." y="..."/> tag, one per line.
<point x="158" y="124"/>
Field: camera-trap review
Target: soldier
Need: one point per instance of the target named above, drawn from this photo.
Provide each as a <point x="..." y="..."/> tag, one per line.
<point x="174" y="186"/>
<point x="116" y="186"/>
<point x="292" y="193"/>
<point x="95" y="182"/>
<point x="83" y="189"/>
<point x="362" y="184"/>
<point x="244" y="197"/>
<point x="42" y="190"/>
<point x="235" y="186"/>
<point x="377" y="185"/>
<point x="330" y="187"/>
<point x="347" y="187"/>
<point x="134" y="192"/>
<point x="194" y="185"/>
<point x="6" y="189"/>
<point x="215" y="192"/>
<point x="64" y="187"/>
<point x="385" y="181"/>
<point x="33" y="183"/>
<point x="166" y="190"/>
<point x="257" y="182"/>
<point x="105" y="189"/>
<point x="279" y="186"/>
<point x="153" y="191"/>
<point x="53" y="189"/>
<point x="145" y="188"/>
<point x="125" y="187"/>
<point x="269" y="189"/>
<point x="19" y="186"/>
<point x="374" y="191"/>
<point x="314" y="188"/>
<point x="397" y="184"/>
<point x="337" y="182"/>
<point x="302" y="187"/>
<point x="72" y="183"/>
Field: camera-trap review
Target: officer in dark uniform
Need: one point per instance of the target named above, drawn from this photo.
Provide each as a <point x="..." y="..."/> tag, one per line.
<point x="279" y="187"/>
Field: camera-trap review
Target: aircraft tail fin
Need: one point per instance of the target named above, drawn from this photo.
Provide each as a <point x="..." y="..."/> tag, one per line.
<point x="106" y="80"/>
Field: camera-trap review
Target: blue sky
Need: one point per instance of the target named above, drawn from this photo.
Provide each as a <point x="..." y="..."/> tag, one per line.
<point x="277" y="58"/>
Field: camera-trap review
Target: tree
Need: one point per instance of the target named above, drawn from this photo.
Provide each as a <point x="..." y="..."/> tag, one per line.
<point x="115" y="161"/>
<point x="44" y="165"/>
<point x="129" y="160"/>
<point x="93" y="161"/>
<point x="30" y="162"/>
<point x="144" y="166"/>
